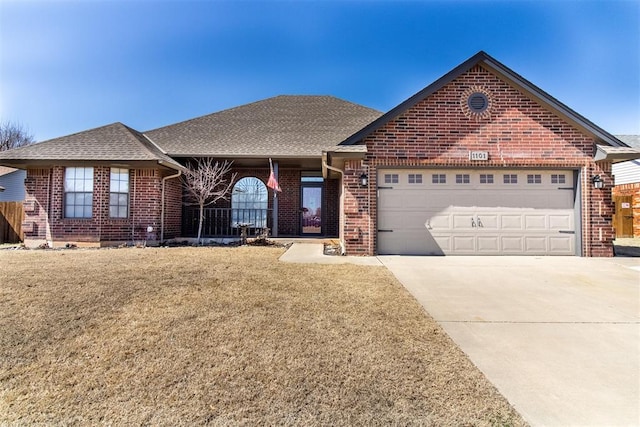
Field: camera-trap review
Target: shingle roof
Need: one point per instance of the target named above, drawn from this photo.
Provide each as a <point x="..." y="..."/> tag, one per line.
<point x="114" y="142"/>
<point x="282" y="126"/>
<point x="630" y="140"/>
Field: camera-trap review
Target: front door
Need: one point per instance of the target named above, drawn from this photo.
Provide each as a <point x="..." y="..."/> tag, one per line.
<point x="311" y="208"/>
<point x="623" y="218"/>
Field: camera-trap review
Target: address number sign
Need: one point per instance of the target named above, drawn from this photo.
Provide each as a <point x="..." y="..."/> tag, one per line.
<point x="478" y="155"/>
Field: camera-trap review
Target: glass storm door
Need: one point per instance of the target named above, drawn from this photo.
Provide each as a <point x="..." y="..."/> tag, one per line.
<point x="311" y="208"/>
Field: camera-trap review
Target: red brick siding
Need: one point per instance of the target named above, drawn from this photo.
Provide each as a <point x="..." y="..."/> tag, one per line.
<point x="332" y="207"/>
<point x="45" y="189"/>
<point x="437" y="132"/>
<point x="632" y="190"/>
<point x="289" y="202"/>
<point x="173" y="208"/>
<point x="288" y="199"/>
<point x="36" y="203"/>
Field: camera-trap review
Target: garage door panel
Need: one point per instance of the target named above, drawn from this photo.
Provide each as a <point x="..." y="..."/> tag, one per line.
<point x="439" y="200"/>
<point x="463" y="244"/>
<point x="561" y="244"/>
<point x="391" y="199"/>
<point x="536" y="222"/>
<point x="536" y="201"/>
<point x="488" y="244"/>
<point x="404" y="221"/>
<point x="409" y="243"/>
<point x="511" y="222"/>
<point x="478" y="218"/>
<point x="512" y="244"/>
<point x="440" y="222"/>
<point x="487" y="221"/>
<point x="560" y="222"/>
<point x="463" y="221"/>
<point x="535" y="245"/>
<point x="443" y="242"/>
<point x="560" y="199"/>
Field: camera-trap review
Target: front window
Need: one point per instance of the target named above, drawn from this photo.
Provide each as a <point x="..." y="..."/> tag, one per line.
<point x="249" y="203"/>
<point x="486" y="178"/>
<point x="463" y="178"/>
<point x="119" y="193"/>
<point x="510" y="178"/>
<point x="415" y="178"/>
<point x="439" y="178"/>
<point x="78" y="192"/>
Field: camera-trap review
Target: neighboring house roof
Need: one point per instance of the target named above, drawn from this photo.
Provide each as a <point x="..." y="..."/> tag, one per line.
<point x="114" y="142"/>
<point x="510" y="76"/>
<point x="627" y="172"/>
<point x="630" y="140"/>
<point x="282" y="126"/>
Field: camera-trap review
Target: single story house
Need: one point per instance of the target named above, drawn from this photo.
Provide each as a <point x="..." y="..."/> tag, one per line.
<point x="11" y="184"/>
<point x="626" y="192"/>
<point x="481" y="161"/>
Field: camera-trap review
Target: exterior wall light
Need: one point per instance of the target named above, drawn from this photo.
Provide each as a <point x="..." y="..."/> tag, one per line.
<point x="597" y="181"/>
<point x="364" y="180"/>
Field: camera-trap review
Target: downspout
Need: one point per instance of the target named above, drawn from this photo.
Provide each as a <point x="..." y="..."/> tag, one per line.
<point x="341" y="231"/>
<point x="162" y="204"/>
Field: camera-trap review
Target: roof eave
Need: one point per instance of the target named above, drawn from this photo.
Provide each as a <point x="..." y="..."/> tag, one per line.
<point x="546" y="99"/>
<point x="509" y="76"/>
<point x="615" y="154"/>
<point x="46" y="163"/>
<point x="246" y="156"/>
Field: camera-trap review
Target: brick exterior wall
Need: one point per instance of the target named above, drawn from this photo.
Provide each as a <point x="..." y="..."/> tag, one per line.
<point x="332" y="207"/>
<point x="288" y="202"/>
<point x="439" y="132"/>
<point x="289" y="199"/>
<point x="632" y="190"/>
<point x="45" y="218"/>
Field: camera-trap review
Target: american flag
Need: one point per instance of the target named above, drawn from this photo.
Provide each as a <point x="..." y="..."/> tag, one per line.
<point x="273" y="182"/>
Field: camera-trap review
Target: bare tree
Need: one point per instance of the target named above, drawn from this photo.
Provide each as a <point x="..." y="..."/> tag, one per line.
<point x="13" y="135"/>
<point x="207" y="181"/>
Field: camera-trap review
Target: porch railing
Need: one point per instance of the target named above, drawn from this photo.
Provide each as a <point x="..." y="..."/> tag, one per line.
<point x="224" y="222"/>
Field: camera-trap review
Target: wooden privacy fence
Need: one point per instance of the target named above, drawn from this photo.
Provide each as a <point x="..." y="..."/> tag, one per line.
<point x="11" y="217"/>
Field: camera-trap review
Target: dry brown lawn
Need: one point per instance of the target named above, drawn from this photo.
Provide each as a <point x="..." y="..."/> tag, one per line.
<point x="224" y="336"/>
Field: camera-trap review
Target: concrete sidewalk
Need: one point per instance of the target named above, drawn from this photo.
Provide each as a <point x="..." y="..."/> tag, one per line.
<point x="558" y="336"/>
<point x="313" y="253"/>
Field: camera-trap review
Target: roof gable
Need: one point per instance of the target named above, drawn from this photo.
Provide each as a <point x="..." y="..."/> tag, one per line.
<point x="509" y="76"/>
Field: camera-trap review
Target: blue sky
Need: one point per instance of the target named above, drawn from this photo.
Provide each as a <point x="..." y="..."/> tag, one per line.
<point x="68" y="66"/>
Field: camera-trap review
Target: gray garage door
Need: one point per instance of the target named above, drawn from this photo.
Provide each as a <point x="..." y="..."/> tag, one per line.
<point x="476" y="212"/>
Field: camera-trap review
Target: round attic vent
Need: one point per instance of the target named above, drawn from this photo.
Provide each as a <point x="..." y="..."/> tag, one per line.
<point x="477" y="102"/>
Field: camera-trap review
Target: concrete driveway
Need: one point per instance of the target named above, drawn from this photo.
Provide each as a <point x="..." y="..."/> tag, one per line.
<point x="558" y="336"/>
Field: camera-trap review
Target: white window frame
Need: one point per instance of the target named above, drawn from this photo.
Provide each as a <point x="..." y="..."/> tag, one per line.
<point x="119" y="193"/>
<point x="78" y="192"/>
